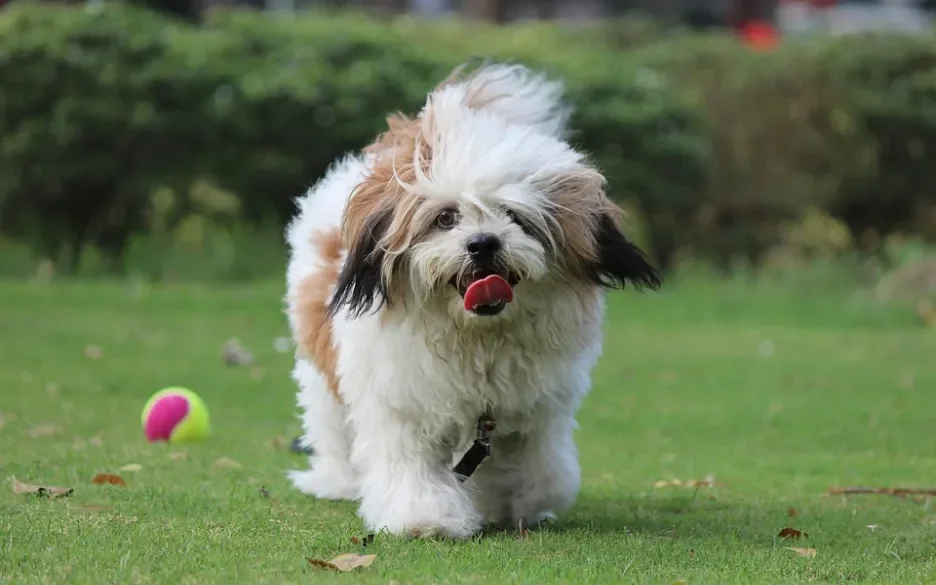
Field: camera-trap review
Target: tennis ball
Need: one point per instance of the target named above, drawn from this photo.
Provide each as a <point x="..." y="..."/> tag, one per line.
<point x="175" y="415"/>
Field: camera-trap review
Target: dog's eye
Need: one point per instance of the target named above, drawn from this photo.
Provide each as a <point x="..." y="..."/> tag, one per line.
<point x="446" y="218"/>
<point x="514" y="217"/>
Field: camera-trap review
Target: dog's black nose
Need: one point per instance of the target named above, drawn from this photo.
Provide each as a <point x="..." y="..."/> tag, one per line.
<point x="483" y="245"/>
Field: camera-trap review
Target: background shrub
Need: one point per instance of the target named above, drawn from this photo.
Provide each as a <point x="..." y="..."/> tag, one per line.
<point x="718" y="150"/>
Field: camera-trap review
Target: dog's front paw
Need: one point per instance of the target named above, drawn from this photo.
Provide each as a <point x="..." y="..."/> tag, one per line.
<point x="326" y="480"/>
<point x="448" y="514"/>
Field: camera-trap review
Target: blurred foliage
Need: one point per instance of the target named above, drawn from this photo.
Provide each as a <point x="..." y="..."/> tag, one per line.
<point x="117" y="123"/>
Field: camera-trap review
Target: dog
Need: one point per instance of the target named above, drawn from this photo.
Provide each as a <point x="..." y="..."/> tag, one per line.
<point x="454" y="269"/>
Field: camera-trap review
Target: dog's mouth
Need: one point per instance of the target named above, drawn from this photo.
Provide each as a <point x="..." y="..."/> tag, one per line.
<point x="486" y="293"/>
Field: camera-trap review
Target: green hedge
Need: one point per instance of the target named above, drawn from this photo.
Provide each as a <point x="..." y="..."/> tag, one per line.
<point x="98" y="109"/>
<point x="109" y="117"/>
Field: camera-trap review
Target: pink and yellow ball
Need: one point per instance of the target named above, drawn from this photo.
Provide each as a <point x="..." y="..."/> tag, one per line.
<point x="176" y="415"/>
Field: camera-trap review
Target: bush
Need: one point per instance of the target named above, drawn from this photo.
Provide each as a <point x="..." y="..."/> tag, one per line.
<point x="718" y="148"/>
<point x="101" y="108"/>
<point x="891" y="82"/>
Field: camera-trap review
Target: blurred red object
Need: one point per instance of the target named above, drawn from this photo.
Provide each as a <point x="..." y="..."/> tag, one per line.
<point x="759" y="34"/>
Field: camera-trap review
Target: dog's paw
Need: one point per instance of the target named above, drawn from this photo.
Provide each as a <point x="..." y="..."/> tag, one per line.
<point x="425" y="517"/>
<point x="326" y="482"/>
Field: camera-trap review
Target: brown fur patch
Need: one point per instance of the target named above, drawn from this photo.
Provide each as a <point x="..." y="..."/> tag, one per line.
<point x="580" y="204"/>
<point x="315" y="331"/>
<point x="402" y="154"/>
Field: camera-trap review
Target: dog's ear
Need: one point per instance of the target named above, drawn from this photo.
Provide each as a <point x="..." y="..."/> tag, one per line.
<point x="594" y="246"/>
<point x="361" y="284"/>
<point x="617" y="259"/>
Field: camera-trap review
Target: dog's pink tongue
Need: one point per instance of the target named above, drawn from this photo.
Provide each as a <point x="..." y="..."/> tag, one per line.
<point x="487" y="291"/>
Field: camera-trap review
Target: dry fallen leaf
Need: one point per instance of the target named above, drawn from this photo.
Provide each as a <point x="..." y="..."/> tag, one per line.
<point x="90" y="509"/>
<point x="108" y="478"/>
<point x="803" y="552"/>
<point x="226" y="463"/>
<point x="131" y="467"/>
<point x="40" y="490"/>
<point x="178" y="456"/>
<point x="235" y="354"/>
<point x="278" y="442"/>
<point x="708" y="481"/>
<point x="792" y="533"/>
<point x="93" y="352"/>
<point x="791" y="512"/>
<point x="44" y="430"/>
<point x="345" y="562"/>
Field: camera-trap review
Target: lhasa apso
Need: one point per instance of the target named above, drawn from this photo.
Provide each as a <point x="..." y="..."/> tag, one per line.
<point x="454" y="270"/>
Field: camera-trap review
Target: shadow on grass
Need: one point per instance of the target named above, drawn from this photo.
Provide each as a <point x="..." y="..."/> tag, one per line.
<point x="699" y="515"/>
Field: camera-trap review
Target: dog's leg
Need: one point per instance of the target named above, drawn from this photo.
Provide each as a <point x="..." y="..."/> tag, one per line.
<point x="530" y="477"/>
<point x="325" y="429"/>
<point x="407" y="486"/>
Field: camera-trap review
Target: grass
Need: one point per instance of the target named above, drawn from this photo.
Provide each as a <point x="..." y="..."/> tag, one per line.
<point x="777" y="390"/>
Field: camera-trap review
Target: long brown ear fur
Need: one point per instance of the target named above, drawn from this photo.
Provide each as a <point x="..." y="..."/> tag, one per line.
<point x="595" y="248"/>
<point x="382" y="220"/>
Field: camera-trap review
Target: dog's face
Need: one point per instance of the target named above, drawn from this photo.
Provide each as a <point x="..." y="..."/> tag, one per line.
<point x="467" y="209"/>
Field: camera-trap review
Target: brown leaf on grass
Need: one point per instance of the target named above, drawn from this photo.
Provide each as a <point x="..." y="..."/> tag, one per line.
<point x="791" y="512"/>
<point x="226" y="463"/>
<point x="108" y="479"/>
<point x="346" y="562"/>
<point x="44" y="430"/>
<point x="91" y="509"/>
<point x="792" y="533"/>
<point x="134" y="467"/>
<point x="277" y="443"/>
<point x="264" y="492"/>
<point x="235" y="354"/>
<point x="900" y="492"/>
<point x="40" y="490"/>
<point x="803" y="552"/>
<point x="707" y="482"/>
<point x="93" y="352"/>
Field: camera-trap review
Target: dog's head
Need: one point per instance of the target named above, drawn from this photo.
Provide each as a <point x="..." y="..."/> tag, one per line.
<point x="477" y="195"/>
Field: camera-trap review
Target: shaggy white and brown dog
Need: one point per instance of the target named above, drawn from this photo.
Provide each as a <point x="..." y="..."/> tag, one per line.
<point x="455" y="268"/>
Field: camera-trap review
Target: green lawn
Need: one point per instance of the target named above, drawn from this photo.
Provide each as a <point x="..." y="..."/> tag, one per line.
<point x="778" y="391"/>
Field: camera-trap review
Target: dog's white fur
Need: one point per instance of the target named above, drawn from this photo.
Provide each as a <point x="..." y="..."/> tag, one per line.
<point x="415" y="377"/>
